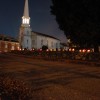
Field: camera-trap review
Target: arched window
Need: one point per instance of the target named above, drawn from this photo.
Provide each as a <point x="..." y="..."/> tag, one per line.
<point x="27" y="41"/>
<point x="47" y="42"/>
<point x="56" y="45"/>
<point x="52" y="44"/>
<point x="41" y="42"/>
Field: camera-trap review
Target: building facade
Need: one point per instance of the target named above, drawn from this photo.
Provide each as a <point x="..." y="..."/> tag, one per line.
<point x="40" y="39"/>
<point x="8" y="43"/>
<point x="29" y="39"/>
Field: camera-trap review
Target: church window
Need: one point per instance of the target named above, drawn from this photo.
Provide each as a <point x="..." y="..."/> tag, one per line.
<point x="52" y="44"/>
<point x="27" y="41"/>
<point x="25" y="20"/>
<point x="47" y="42"/>
<point x="41" y="42"/>
<point x="6" y="46"/>
<point x="12" y="48"/>
<point x="56" y="45"/>
<point x="33" y="42"/>
<point x="22" y="21"/>
<point x="27" y="32"/>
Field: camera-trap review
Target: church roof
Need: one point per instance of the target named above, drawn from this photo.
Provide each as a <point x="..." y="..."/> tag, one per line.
<point x="38" y="33"/>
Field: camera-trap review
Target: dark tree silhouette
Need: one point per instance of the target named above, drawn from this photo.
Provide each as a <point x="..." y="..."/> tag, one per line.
<point x="44" y="47"/>
<point x="80" y="21"/>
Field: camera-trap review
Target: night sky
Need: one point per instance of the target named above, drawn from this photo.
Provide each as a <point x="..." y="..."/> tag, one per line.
<point x="11" y="12"/>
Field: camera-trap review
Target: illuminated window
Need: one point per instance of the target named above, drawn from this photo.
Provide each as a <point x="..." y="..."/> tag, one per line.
<point x="6" y="46"/>
<point x="12" y="48"/>
<point x="27" y="21"/>
<point x="24" y="20"/>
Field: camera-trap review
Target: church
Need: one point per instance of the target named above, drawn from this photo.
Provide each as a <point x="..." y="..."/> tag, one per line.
<point x="29" y="39"/>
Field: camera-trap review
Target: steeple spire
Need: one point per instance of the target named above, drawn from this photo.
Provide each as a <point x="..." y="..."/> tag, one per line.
<point x="26" y="9"/>
<point x="26" y="18"/>
<point x="25" y="35"/>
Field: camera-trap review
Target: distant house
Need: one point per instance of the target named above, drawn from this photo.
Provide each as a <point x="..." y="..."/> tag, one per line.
<point x="8" y="43"/>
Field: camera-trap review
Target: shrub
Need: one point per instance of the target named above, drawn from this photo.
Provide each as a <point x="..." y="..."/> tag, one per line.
<point x="44" y="47"/>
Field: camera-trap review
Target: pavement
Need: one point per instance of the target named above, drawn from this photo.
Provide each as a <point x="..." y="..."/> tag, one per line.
<point x="53" y="80"/>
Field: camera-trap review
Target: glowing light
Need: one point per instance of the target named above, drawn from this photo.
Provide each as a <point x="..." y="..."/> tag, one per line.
<point x="40" y="49"/>
<point x="80" y="50"/>
<point x="33" y="49"/>
<point x="70" y="49"/>
<point x="6" y="46"/>
<point x="47" y="50"/>
<point x="73" y="49"/>
<point x="84" y="50"/>
<point x="54" y="49"/>
<point x="18" y="48"/>
<point x="25" y="20"/>
<point x="88" y="50"/>
<point x="50" y="49"/>
<point x="12" y="48"/>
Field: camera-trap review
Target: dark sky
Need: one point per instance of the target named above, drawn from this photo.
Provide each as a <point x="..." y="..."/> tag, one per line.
<point x="11" y="12"/>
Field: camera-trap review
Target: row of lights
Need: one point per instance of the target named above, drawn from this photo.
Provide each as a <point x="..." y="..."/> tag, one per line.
<point x="46" y="50"/>
<point x="53" y="50"/>
<point x="72" y="49"/>
<point x="83" y="50"/>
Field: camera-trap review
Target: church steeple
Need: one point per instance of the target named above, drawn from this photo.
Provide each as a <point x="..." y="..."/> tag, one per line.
<point x="26" y="18"/>
<point x="26" y="9"/>
<point x="25" y="33"/>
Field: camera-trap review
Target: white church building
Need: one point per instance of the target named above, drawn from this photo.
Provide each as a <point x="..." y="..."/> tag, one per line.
<point x="29" y="39"/>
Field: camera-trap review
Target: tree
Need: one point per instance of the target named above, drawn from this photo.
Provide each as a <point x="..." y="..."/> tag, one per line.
<point x="80" y="21"/>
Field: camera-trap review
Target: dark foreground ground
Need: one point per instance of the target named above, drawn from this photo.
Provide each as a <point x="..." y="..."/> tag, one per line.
<point x="53" y="80"/>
